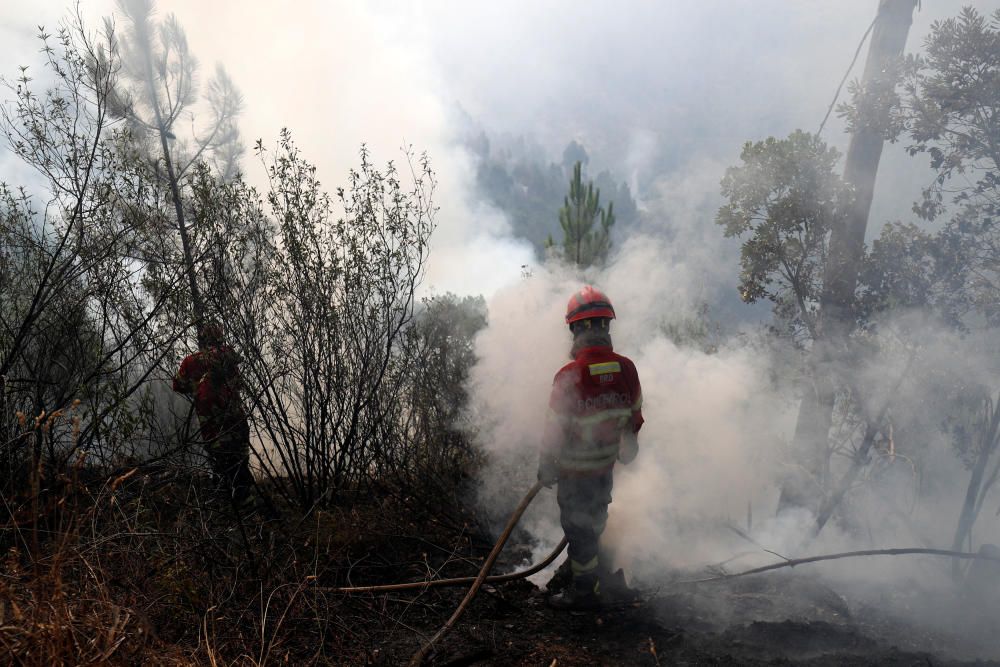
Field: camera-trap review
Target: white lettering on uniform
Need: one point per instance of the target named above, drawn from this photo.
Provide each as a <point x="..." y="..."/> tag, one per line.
<point x="604" y="402"/>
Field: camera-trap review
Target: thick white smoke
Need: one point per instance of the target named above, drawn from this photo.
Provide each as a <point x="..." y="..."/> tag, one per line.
<point x="715" y="445"/>
<point x="343" y="74"/>
<point x="713" y="421"/>
<point x="339" y="74"/>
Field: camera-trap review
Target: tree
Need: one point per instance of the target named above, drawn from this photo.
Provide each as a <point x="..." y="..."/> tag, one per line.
<point x="76" y="322"/>
<point x="984" y="442"/>
<point x="950" y="111"/>
<point x="437" y="456"/>
<point x="829" y="355"/>
<point x="161" y="84"/>
<point x="574" y="153"/>
<point x="947" y="103"/>
<point x="807" y="251"/>
<point x="786" y="197"/>
<point x="320" y="299"/>
<point x="514" y="176"/>
<point x="585" y="223"/>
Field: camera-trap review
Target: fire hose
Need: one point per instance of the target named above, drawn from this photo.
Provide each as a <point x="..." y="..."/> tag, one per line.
<point x="476" y="581"/>
<point x="419" y="656"/>
<point x="458" y="581"/>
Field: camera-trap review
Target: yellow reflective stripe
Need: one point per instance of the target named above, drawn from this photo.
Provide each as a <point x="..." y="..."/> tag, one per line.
<point x="598" y="417"/>
<point x="638" y="403"/>
<point x="606" y="367"/>
<point x="583" y="568"/>
<point x="587" y="467"/>
<point x="590" y="454"/>
<point x="588" y="459"/>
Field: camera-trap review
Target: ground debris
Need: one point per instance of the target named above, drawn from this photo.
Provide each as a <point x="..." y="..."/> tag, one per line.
<point x="788" y="619"/>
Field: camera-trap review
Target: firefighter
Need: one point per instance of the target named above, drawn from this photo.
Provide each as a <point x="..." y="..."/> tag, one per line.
<point x="594" y="417"/>
<point x="211" y="378"/>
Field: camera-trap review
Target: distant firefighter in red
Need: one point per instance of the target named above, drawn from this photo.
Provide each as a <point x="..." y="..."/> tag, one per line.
<point x="595" y="413"/>
<point x="211" y="377"/>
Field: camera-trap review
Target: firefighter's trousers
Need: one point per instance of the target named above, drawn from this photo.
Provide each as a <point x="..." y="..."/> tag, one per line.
<point x="583" y="513"/>
<point x="229" y="456"/>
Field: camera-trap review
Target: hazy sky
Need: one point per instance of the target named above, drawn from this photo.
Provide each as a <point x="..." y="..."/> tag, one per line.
<point x="663" y="92"/>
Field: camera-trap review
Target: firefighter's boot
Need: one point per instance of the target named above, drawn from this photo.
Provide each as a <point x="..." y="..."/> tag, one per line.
<point x="561" y="579"/>
<point x="614" y="589"/>
<point x="584" y="594"/>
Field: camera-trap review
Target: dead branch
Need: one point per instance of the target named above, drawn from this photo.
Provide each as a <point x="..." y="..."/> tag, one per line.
<point x="846" y="554"/>
<point x="420" y="655"/>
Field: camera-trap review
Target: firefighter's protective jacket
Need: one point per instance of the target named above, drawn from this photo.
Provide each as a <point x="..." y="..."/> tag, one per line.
<point x="596" y="398"/>
<point x="211" y="378"/>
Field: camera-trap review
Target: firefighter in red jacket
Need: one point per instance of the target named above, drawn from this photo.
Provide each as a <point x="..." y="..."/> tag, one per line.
<point x="594" y="417"/>
<point x="211" y="378"/>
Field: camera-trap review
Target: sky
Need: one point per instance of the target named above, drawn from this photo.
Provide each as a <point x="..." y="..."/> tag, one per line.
<point x="662" y="93"/>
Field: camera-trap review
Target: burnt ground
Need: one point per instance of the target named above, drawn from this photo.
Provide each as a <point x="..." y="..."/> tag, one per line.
<point x="782" y="618"/>
<point x="199" y="587"/>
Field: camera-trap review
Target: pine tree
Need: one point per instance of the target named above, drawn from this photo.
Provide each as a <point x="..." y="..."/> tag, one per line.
<point x="158" y="85"/>
<point x="585" y="224"/>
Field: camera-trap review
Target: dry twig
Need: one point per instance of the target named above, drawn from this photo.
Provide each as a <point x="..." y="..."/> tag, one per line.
<point x="847" y="554"/>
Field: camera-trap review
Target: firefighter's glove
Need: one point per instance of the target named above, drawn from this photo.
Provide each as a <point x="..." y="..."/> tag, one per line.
<point x="548" y="471"/>
<point x="629" y="448"/>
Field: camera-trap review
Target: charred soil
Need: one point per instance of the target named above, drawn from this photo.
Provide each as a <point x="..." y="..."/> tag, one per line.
<point x="144" y="573"/>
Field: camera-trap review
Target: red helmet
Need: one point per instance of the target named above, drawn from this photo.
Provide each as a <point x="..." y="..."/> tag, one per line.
<point x="587" y="303"/>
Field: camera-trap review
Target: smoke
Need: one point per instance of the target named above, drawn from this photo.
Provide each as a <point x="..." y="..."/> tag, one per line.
<point x="338" y="75"/>
<point x="715" y="444"/>
<point x="342" y="74"/>
<point x="654" y="90"/>
<point x="713" y="420"/>
<point x="663" y="94"/>
<point x="715" y="447"/>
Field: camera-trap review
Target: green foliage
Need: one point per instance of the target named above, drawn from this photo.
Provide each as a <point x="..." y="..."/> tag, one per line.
<point x="157" y="86"/>
<point x="586" y="225"/>
<point x="515" y="177"/>
<point x="696" y="330"/>
<point x="319" y="297"/>
<point x="783" y="199"/>
<point x="952" y="109"/>
<point x="440" y="454"/>
<point x="948" y="106"/>
<point x="910" y="268"/>
<point x="76" y="320"/>
<point x="786" y="195"/>
<point x="574" y="153"/>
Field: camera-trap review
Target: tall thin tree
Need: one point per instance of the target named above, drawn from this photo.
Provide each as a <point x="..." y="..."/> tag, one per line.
<point x="161" y="84"/>
<point x="829" y="353"/>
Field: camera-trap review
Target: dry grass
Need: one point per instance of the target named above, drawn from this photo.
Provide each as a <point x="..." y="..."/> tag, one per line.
<point x="149" y="569"/>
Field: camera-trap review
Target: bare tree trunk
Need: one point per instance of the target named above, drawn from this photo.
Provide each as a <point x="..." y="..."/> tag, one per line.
<point x="804" y="487"/>
<point x="989" y="439"/>
<point x="175" y="192"/>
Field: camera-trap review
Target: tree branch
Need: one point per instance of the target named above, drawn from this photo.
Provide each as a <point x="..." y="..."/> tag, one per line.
<point x="906" y="551"/>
